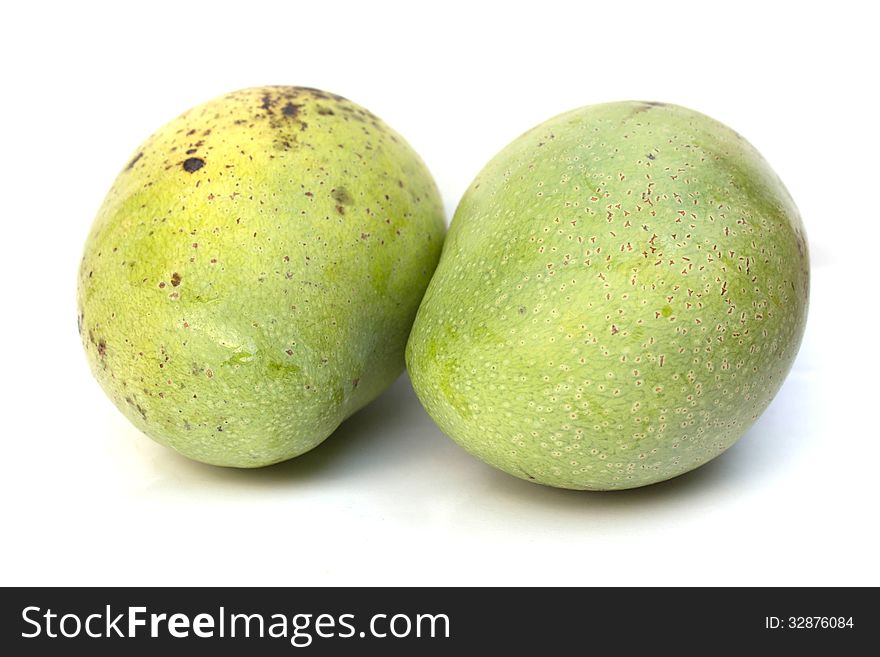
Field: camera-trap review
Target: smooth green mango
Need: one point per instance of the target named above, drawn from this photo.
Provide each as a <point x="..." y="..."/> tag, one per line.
<point x="621" y="293"/>
<point x="252" y="276"/>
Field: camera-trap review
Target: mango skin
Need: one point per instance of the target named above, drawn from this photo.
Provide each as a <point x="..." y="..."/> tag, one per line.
<point x="251" y="277"/>
<point x="621" y="293"/>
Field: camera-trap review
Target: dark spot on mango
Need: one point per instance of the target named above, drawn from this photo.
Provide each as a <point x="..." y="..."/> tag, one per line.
<point x="290" y="109"/>
<point x="650" y="156"/>
<point x="325" y="111"/>
<point x="102" y="348"/>
<point x="317" y="93"/>
<point x="134" y="161"/>
<point x="341" y="195"/>
<point x="175" y="279"/>
<point x="193" y="164"/>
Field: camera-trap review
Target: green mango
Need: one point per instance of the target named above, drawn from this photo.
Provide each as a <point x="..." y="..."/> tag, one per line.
<point x="251" y="277"/>
<point x="621" y="293"/>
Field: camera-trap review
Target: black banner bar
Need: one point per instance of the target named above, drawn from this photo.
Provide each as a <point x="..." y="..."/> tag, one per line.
<point x="319" y="621"/>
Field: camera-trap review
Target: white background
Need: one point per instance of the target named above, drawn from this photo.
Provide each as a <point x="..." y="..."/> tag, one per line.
<point x="86" y="499"/>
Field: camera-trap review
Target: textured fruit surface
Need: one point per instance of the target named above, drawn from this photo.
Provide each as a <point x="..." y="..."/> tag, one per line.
<point x="621" y="293"/>
<point x="252" y="275"/>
